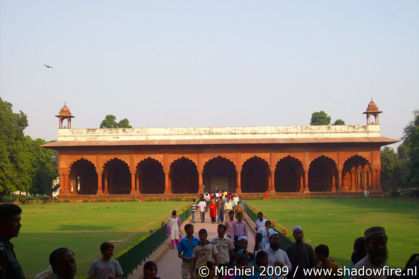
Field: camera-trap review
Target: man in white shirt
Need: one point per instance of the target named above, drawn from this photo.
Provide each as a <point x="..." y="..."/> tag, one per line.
<point x="266" y="232"/>
<point x="277" y="256"/>
<point x="228" y="206"/>
<point x="260" y="222"/>
<point x="235" y="200"/>
<point x="202" y="206"/>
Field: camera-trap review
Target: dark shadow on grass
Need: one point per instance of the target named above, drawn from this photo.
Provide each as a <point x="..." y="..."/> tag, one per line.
<point x="85" y="228"/>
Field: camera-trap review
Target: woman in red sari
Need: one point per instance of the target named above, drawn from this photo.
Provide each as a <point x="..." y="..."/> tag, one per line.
<point x="213" y="211"/>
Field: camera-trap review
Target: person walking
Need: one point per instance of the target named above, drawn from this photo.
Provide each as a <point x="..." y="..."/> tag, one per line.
<point x="224" y="246"/>
<point x="376" y="248"/>
<point x="202" y="205"/>
<point x="202" y="253"/>
<point x="229" y="223"/>
<point x="193" y="207"/>
<point x="239" y="228"/>
<point x="260" y="222"/>
<point x="266" y="232"/>
<point x="173" y="229"/>
<point x="228" y="206"/>
<point x="300" y="254"/>
<point x="106" y="267"/>
<point x="213" y="211"/>
<point x="220" y="207"/>
<point x="185" y="250"/>
<point x="277" y="256"/>
<point x="321" y="254"/>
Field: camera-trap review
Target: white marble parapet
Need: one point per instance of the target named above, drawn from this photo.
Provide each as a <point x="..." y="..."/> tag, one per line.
<point x="219" y="133"/>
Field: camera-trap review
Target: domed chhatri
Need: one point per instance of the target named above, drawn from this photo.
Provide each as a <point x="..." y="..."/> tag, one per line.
<point x="64" y="114"/>
<point x="372" y="111"/>
<point x="372" y="107"/>
<point x="65" y="111"/>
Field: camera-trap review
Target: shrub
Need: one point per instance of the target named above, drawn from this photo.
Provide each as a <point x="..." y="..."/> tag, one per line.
<point x="25" y="199"/>
<point x="8" y="198"/>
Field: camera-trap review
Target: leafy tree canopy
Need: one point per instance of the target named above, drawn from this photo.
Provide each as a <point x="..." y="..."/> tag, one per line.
<point x="110" y="122"/>
<point x="401" y="169"/>
<point x="24" y="164"/>
<point x="339" y="122"/>
<point x="411" y="149"/>
<point x="124" y="123"/>
<point x="320" y="118"/>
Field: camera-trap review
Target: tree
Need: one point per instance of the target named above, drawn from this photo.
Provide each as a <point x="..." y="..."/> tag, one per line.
<point x="339" y="122"/>
<point x="124" y="123"/>
<point x="23" y="161"/>
<point x="401" y="169"/>
<point x="320" y="118"/>
<point x="389" y="163"/>
<point x="411" y="149"/>
<point x="45" y="162"/>
<point x="110" y="122"/>
<point x="12" y="149"/>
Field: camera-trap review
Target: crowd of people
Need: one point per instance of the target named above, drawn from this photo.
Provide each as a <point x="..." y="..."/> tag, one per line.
<point x="218" y="204"/>
<point x="228" y="251"/>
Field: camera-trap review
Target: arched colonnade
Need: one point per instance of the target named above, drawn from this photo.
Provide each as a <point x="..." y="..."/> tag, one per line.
<point x="183" y="175"/>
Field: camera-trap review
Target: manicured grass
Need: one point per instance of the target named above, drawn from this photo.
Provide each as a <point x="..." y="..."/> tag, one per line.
<point x="338" y="222"/>
<point x="82" y="227"/>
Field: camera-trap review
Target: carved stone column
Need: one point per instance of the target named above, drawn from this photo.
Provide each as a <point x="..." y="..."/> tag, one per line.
<point x="200" y="183"/>
<point x="339" y="186"/>
<point x="167" y="184"/>
<point x="271" y="186"/>
<point x="99" y="184"/>
<point x="132" y="193"/>
<point x="238" y="182"/>
<point x="306" y="188"/>
<point x="106" y="182"/>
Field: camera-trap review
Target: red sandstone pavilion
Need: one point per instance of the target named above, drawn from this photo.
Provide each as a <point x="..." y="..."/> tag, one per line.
<point x="166" y="162"/>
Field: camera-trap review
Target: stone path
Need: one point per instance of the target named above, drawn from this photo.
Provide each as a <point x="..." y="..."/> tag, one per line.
<point x="169" y="264"/>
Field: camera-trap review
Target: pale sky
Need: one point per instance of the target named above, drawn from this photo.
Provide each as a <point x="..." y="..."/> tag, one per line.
<point x="209" y="63"/>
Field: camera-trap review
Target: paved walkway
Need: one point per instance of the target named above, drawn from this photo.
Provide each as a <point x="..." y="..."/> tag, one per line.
<point x="169" y="265"/>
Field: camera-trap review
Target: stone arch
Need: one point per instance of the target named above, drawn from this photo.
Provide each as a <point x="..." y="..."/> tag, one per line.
<point x="219" y="174"/>
<point x="255" y="176"/>
<point x="83" y="177"/>
<point x="150" y="176"/>
<point x="184" y="156"/>
<point x="322" y="175"/>
<point x="116" y="177"/>
<point x="289" y="173"/>
<point x="184" y="176"/>
<point x="356" y="174"/>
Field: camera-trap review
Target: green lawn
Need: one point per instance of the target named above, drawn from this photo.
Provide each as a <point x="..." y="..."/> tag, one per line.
<point x="338" y="222"/>
<point x="82" y="227"/>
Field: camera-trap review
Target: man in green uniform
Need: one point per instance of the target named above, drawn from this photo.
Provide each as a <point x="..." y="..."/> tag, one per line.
<point x="9" y="227"/>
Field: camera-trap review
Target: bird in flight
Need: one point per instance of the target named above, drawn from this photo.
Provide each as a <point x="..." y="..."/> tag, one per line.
<point x="48" y="66"/>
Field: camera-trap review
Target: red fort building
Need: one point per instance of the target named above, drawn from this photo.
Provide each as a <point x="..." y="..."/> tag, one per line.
<point x="160" y="163"/>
